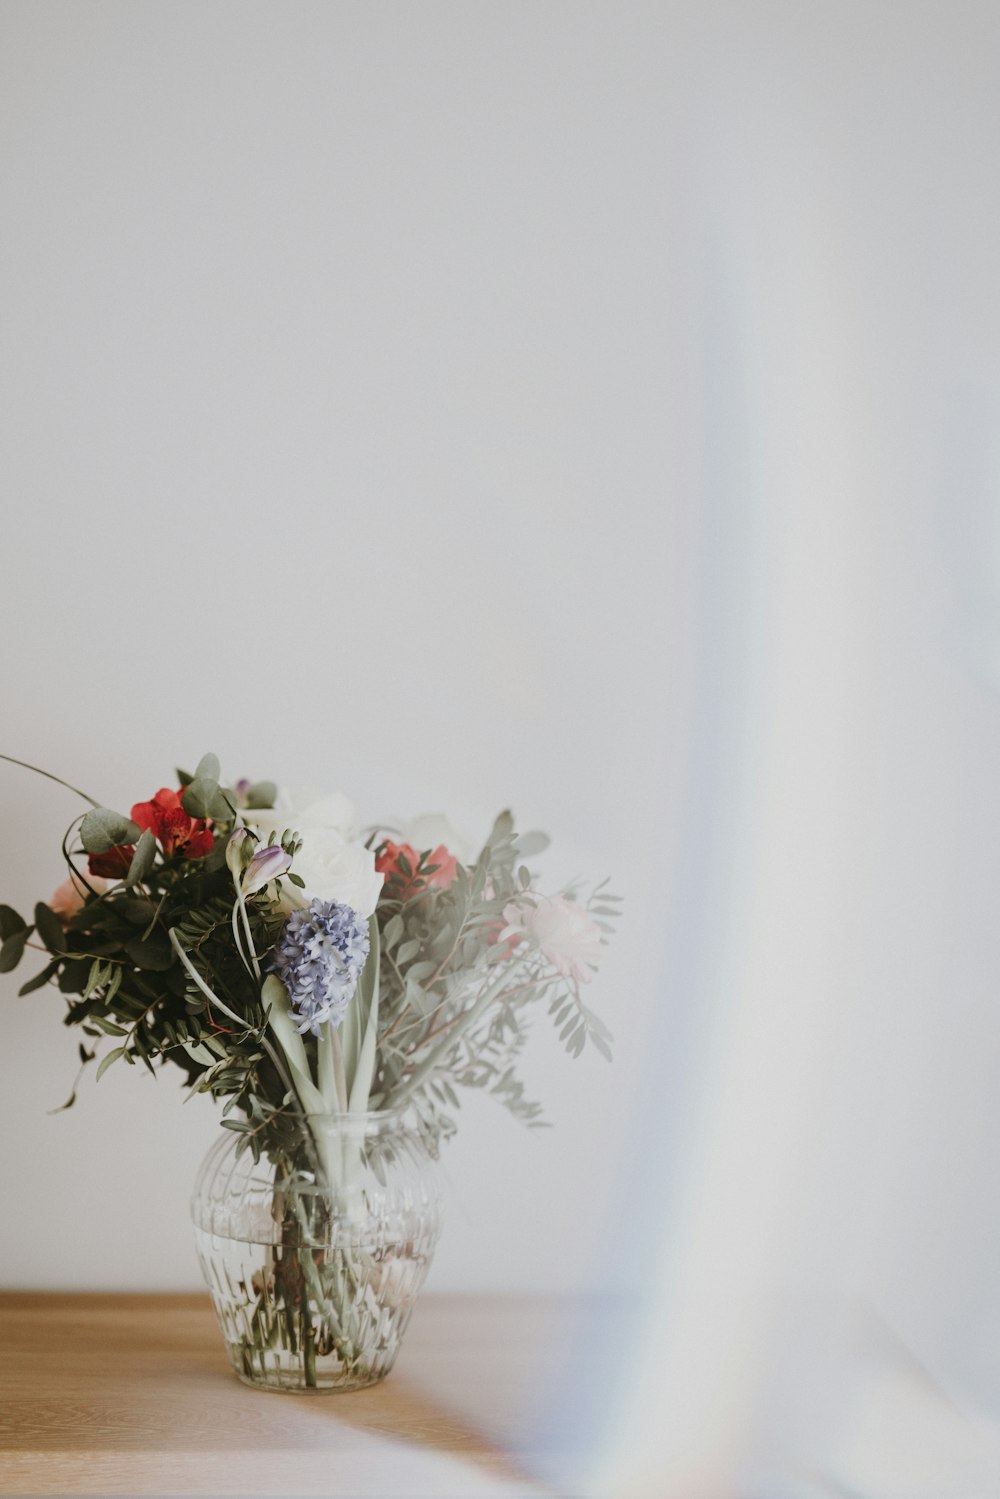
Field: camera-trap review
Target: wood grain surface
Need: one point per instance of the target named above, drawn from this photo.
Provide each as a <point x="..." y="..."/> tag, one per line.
<point x="116" y="1395"/>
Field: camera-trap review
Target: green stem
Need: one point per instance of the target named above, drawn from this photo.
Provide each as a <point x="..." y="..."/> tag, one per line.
<point x="308" y="1339"/>
<point x="50" y="777"/>
<point x="214" y="999"/>
<point x="340" y="1076"/>
<point x="463" y="1022"/>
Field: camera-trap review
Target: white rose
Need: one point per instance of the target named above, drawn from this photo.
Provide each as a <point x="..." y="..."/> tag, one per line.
<point x="331" y="866"/>
<point x="332" y="810"/>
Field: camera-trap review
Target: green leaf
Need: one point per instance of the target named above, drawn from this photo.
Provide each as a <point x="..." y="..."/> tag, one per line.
<point x="50" y="928"/>
<point x="215" y="860"/>
<point x="102" y="830"/>
<point x="196" y="797"/>
<point x="184" y="777"/>
<point x="13" y="949"/>
<point x="393" y="931"/>
<point x="529" y="845"/>
<point x="94" y="978"/>
<point x="296" y="879"/>
<point x="208" y="768"/>
<point x="136" y="909"/>
<point x="112" y="1056"/>
<point x="199" y="1053"/>
<point x="106" y="1026"/>
<point x="10" y="922"/>
<point x="204" y="798"/>
<point x="39" y="981"/>
<point x="262" y="794"/>
<point x="142" y="859"/>
<point x="153" y="952"/>
<point x="74" y="975"/>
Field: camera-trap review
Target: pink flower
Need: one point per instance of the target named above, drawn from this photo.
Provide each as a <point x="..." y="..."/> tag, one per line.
<point x="72" y="894"/>
<point x="559" y="928"/>
<point x="262" y="866"/>
<point x="266" y="865"/>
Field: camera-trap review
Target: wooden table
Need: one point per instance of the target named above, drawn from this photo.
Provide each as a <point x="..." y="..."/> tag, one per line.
<point x="114" y="1395"/>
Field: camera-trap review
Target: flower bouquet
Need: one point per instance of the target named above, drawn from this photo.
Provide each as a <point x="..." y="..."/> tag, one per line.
<point x="335" y="991"/>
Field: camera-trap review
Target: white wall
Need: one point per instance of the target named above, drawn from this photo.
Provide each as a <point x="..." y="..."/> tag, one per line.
<point x="339" y="433"/>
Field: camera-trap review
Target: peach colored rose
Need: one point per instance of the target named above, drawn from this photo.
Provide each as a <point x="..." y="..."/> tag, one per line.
<point x="72" y="894"/>
<point x="559" y="928"/>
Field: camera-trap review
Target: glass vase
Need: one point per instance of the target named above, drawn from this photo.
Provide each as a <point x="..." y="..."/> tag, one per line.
<point x="315" y="1252"/>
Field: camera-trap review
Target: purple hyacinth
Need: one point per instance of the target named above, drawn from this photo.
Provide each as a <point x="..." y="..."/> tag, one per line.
<point x="319" y="957"/>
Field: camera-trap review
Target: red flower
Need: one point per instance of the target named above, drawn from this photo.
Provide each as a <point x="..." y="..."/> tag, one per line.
<point x="175" y="831"/>
<point x="114" y="864"/>
<point x="440" y="869"/>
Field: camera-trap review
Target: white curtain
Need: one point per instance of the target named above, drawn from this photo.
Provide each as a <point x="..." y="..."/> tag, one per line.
<point x="822" y="1310"/>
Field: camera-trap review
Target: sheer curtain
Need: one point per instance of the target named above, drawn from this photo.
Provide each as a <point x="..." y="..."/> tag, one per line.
<point x="821" y="1311"/>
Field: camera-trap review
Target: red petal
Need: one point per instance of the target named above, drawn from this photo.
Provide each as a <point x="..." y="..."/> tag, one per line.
<point x="146" y="815"/>
<point x="200" y="843"/>
<point x="114" y="864"/>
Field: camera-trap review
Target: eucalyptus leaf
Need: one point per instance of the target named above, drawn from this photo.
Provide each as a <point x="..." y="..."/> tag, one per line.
<point x="73" y="975"/>
<point x="198" y="796"/>
<point x="224" y="807"/>
<point x="208" y="768"/>
<point x="204" y="798"/>
<point x="102" y="830"/>
<point x="262" y="794"/>
<point x="142" y="859"/>
<point x="153" y="952"/>
<point x="10" y="922"/>
<point x="50" y="928"/>
<point x="13" y="949"/>
<point x="135" y="909"/>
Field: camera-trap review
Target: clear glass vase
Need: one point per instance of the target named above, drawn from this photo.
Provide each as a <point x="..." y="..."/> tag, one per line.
<point x="315" y="1252"/>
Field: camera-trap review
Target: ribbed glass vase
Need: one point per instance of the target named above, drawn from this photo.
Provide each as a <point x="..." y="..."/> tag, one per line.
<point x="314" y="1254"/>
